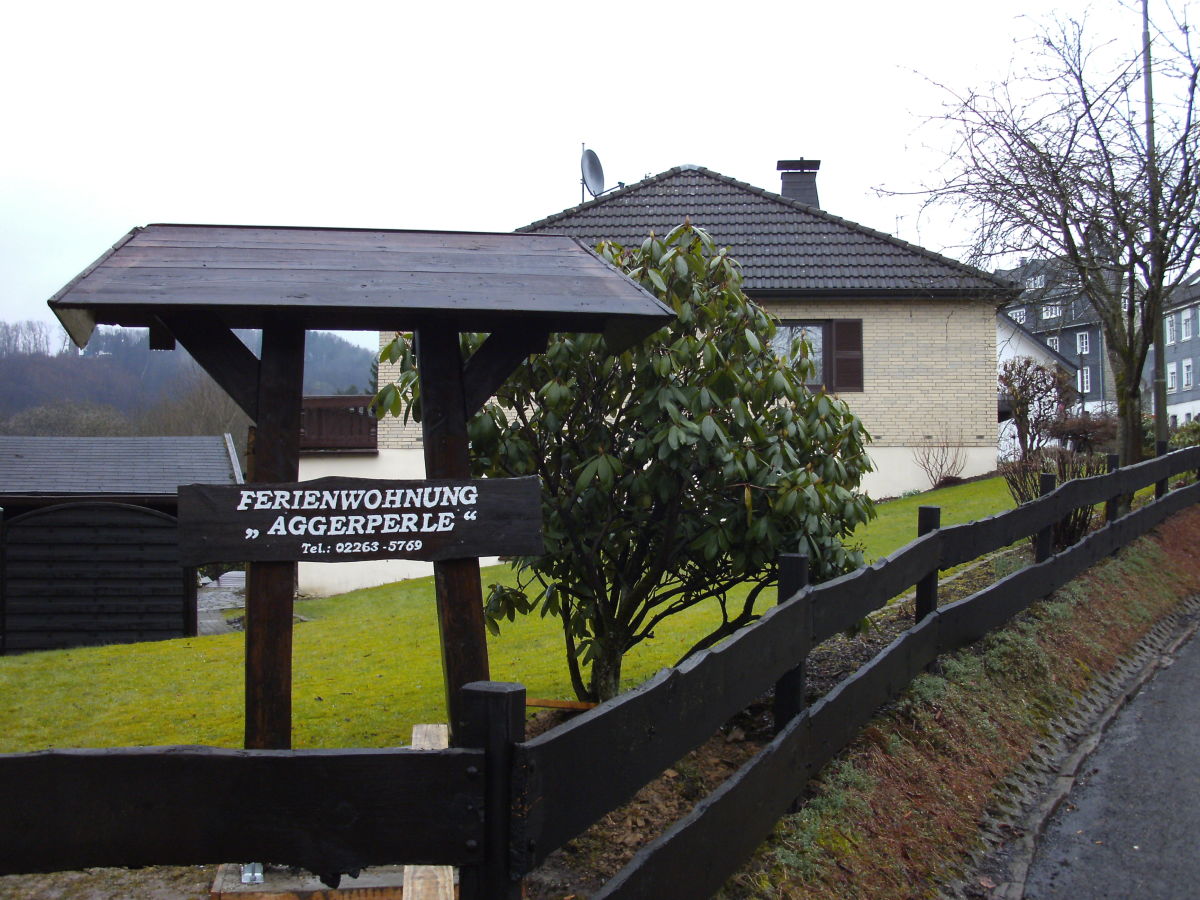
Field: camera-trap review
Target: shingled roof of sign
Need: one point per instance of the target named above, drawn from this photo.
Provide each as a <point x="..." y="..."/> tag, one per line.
<point x="784" y="246"/>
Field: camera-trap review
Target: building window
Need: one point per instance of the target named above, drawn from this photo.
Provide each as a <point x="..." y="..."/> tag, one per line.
<point x="1082" y="344"/>
<point x="1172" y="378"/>
<point x="1085" y="380"/>
<point x="836" y="350"/>
<point x="1034" y="282"/>
<point x="1169" y="327"/>
<point x="1051" y="311"/>
<point x="1185" y="325"/>
<point x="1052" y="342"/>
<point x="1018" y="316"/>
<point x="1186" y="372"/>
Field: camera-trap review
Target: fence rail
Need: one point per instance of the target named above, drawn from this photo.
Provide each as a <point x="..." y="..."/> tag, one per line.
<point x="500" y="806"/>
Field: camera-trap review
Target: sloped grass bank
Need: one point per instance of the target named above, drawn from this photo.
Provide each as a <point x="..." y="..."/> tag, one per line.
<point x="902" y="806"/>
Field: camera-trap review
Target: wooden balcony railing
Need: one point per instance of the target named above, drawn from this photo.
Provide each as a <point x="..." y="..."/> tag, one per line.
<point x="337" y="423"/>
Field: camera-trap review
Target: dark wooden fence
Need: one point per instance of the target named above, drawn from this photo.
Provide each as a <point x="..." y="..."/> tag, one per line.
<point x="337" y="423"/>
<point x="500" y="805"/>
<point x="79" y="574"/>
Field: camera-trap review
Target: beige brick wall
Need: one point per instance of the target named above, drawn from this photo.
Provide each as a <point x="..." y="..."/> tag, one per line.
<point x="393" y="433"/>
<point x="929" y="367"/>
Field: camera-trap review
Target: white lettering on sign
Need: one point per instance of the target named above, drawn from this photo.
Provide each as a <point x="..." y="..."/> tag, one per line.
<point x="351" y="525"/>
<point x="428" y="497"/>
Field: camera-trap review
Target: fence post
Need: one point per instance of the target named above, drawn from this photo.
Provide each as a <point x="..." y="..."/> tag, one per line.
<point x="1160" y="487"/>
<point x="1111" y="505"/>
<point x="789" y="690"/>
<point x="929" y="518"/>
<point x="492" y="719"/>
<point x="1045" y="538"/>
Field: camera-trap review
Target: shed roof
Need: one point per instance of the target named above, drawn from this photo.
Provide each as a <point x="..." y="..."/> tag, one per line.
<point x="784" y="246"/>
<point x="113" y="466"/>
<point x="356" y="279"/>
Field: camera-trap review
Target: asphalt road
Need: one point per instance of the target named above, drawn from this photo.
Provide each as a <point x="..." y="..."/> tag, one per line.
<point x="1130" y="827"/>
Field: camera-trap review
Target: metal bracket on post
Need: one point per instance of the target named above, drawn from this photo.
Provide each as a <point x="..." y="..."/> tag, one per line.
<point x="929" y="518"/>
<point x="789" y="690"/>
<point x="1044" y="544"/>
<point x="492" y="718"/>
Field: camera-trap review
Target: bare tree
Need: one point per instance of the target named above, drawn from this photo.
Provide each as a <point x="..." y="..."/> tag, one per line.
<point x="1039" y="397"/>
<point x="1055" y="163"/>
<point x="197" y="407"/>
<point x="30" y="338"/>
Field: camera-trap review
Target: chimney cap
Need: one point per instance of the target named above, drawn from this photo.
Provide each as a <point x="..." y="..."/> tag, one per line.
<point x="798" y="165"/>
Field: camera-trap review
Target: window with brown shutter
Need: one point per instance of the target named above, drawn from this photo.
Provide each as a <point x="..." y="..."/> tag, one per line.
<point x="836" y="348"/>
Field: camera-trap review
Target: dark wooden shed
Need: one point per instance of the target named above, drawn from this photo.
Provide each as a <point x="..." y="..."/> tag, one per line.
<point x="89" y="547"/>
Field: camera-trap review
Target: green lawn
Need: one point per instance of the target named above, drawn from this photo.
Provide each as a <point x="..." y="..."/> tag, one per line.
<point x="896" y="523"/>
<point x="366" y="667"/>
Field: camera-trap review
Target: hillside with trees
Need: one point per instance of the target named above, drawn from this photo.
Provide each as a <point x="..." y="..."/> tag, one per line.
<point x="117" y="385"/>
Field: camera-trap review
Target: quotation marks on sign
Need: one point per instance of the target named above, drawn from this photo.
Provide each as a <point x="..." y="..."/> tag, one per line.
<point x="251" y="533"/>
<point x="469" y="515"/>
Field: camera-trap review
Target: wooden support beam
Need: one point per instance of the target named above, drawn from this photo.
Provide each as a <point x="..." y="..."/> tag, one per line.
<point x="271" y="586"/>
<point x="221" y="354"/>
<point x="495" y="360"/>
<point x="459" y="592"/>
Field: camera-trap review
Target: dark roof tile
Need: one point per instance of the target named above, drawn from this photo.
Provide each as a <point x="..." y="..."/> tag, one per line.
<point x="783" y="245"/>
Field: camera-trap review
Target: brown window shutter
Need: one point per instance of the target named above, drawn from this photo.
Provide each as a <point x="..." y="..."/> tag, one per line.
<point x="847" y="355"/>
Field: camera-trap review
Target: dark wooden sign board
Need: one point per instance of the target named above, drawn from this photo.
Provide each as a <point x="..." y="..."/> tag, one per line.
<point x="351" y="519"/>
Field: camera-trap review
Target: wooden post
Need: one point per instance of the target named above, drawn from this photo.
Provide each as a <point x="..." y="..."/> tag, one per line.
<point x="1044" y="544"/>
<point x="493" y="719"/>
<point x="271" y="586"/>
<point x="459" y="592"/>
<point x="1160" y="487"/>
<point x="789" y="690"/>
<point x="1112" y="504"/>
<point x="929" y="518"/>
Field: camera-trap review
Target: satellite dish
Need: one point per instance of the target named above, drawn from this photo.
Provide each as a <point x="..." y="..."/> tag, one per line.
<point x="593" y="173"/>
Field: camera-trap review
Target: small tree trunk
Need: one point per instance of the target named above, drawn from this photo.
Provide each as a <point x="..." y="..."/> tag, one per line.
<point x="606" y="672"/>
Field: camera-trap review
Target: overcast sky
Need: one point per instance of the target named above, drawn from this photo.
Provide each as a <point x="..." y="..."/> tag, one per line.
<point x="462" y="115"/>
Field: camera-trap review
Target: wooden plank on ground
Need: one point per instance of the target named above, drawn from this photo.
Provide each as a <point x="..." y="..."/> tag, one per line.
<point x="429" y="882"/>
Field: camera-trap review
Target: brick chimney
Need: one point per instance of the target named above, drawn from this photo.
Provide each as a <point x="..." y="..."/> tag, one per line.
<point x="800" y="180"/>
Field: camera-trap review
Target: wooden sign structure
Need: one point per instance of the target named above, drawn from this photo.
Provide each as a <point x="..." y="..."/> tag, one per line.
<point x="352" y="519"/>
<point x="194" y="284"/>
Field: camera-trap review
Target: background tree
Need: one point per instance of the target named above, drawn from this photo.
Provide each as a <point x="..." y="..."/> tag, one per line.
<point x="673" y="473"/>
<point x="1039" y="397"/>
<point x="1055" y="162"/>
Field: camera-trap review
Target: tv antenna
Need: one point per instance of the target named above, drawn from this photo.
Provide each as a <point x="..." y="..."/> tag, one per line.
<point x="593" y="175"/>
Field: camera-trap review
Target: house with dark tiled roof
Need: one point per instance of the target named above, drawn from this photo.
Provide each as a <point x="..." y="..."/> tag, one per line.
<point x="906" y="336"/>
